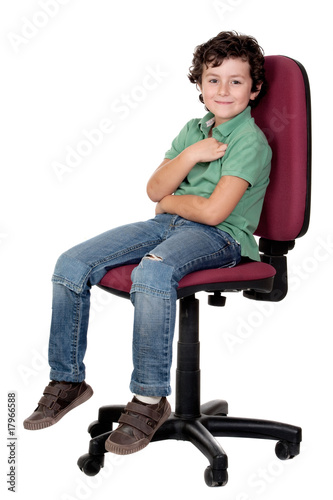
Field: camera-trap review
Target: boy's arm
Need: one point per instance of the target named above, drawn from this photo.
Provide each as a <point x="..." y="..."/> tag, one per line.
<point x="171" y="173"/>
<point x="211" y="211"/>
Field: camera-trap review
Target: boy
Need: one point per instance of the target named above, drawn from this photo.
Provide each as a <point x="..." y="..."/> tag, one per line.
<point x="209" y="192"/>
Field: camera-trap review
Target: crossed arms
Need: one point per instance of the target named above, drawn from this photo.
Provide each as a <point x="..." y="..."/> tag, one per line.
<point x="169" y="175"/>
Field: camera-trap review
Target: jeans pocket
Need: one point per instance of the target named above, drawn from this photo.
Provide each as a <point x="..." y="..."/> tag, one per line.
<point x="234" y="250"/>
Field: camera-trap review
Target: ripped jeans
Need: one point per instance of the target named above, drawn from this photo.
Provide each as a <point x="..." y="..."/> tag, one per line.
<point x="166" y="248"/>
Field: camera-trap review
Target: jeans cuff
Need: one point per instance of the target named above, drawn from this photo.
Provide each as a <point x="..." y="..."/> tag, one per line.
<point x="147" y="390"/>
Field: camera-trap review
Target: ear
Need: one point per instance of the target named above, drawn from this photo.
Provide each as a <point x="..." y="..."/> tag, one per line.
<point x="255" y="94"/>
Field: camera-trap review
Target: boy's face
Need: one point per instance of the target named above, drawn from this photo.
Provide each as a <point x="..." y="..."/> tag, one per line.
<point x="226" y="89"/>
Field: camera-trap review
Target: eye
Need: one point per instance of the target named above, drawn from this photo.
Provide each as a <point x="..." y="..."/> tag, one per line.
<point x="235" y="82"/>
<point x="213" y="80"/>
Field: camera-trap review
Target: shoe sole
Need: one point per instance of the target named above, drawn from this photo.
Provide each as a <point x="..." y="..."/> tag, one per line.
<point x="47" y="422"/>
<point x="123" y="450"/>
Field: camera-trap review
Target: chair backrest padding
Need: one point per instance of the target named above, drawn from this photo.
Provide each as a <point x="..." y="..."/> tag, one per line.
<point x="284" y="116"/>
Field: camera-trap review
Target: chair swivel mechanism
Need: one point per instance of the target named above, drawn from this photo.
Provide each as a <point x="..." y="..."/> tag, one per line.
<point x="284" y="116"/>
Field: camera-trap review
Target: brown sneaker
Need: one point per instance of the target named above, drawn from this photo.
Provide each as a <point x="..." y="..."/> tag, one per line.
<point x="137" y="425"/>
<point x="57" y="400"/>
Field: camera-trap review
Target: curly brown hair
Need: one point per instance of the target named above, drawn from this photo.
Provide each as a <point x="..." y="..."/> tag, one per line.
<point x="230" y="44"/>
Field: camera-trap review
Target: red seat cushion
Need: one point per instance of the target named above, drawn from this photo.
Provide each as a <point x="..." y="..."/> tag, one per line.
<point x="120" y="277"/>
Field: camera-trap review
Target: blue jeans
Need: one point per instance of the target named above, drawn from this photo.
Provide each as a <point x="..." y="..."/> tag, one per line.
<point x="179" y="247"/>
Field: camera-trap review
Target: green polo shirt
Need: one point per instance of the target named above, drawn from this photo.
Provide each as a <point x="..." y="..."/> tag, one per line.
<point x="248" y="156"/>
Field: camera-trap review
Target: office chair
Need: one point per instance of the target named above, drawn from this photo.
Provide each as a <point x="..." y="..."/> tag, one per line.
<point x="284" y="115"/>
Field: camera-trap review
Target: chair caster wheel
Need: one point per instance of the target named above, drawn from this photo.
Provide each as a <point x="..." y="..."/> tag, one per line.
<point x="285" y="450"/>
<point x="91" y="464"/>
<point x="214" y="478"/>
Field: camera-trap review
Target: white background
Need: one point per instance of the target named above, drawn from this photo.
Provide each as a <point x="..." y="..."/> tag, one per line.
<point x="66" y="68"/>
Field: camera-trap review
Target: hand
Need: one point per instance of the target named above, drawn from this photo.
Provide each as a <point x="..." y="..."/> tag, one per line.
<point x="166" y="205"/>
<point x="207" y="150"/>
<point x="159" y="209"/>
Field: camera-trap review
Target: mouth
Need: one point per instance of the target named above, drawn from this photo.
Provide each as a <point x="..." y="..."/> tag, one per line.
<point x="223" y="103"/>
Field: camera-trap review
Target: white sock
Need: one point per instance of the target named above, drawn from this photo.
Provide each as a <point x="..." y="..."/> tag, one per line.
<point x="149" y="400"/>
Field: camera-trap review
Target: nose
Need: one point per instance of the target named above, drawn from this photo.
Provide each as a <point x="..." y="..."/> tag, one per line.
<point x="223" y="89"/>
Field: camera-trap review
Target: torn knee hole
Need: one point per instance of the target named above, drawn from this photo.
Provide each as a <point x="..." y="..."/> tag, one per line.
<point x="151" y="256"/>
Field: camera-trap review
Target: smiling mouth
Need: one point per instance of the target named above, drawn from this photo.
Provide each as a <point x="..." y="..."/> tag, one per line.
<point x="223" y="102"/>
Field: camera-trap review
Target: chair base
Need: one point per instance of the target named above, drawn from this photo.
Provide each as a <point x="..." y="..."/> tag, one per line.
<point x="201" y="432"/>
<point x="191" y="421"/>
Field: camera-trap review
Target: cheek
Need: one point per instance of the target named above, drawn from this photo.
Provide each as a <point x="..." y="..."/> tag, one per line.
<point x="208" y="94"/>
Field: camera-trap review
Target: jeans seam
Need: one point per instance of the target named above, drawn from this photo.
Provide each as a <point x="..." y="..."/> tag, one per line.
<point x="75" y="347"/>
<point x="124" y="252"/>
<point x="150" y="290"/>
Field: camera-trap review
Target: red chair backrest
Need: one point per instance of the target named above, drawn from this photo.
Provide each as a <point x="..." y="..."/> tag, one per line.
<point x="284" y="116"/>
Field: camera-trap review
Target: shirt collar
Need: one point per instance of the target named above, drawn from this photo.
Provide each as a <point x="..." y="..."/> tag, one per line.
<point x="226" y="128"/>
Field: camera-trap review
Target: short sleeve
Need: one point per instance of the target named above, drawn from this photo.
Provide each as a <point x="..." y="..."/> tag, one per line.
<point x="179" y="143"/>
